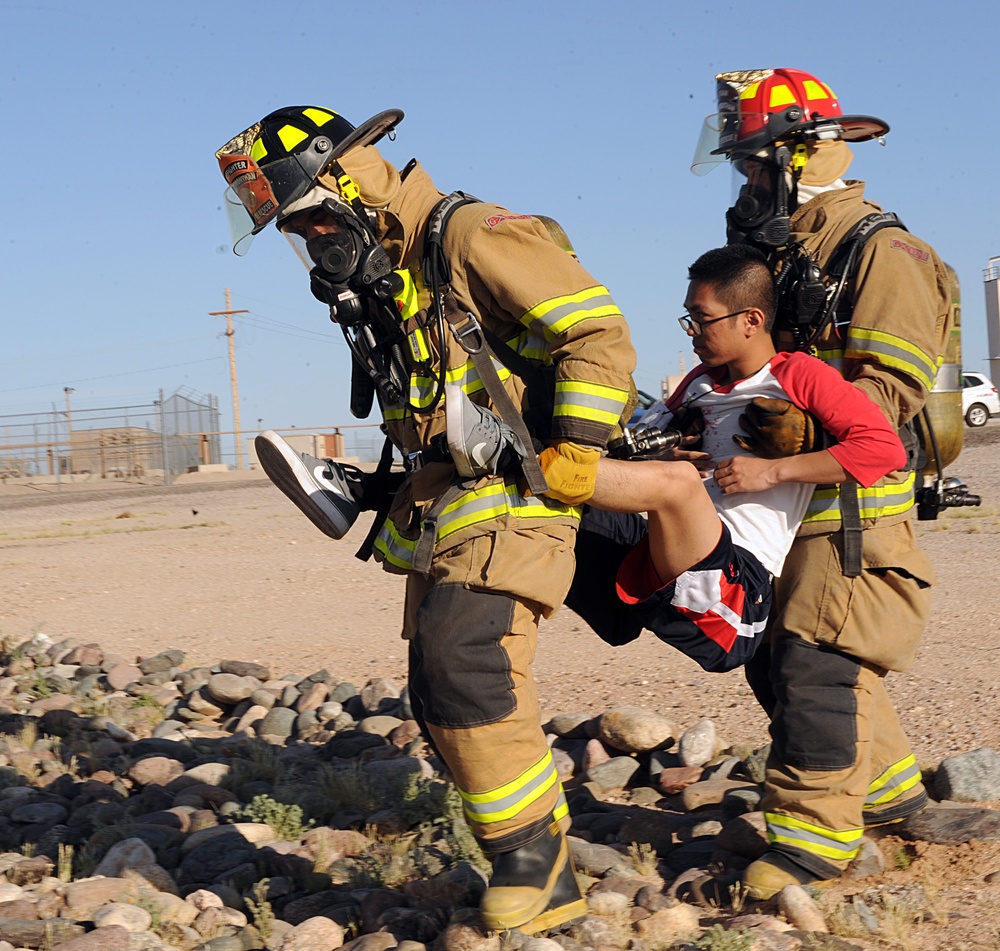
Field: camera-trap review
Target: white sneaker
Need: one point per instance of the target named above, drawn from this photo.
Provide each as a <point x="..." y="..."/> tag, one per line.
<point x="325" y="491"/>
<point x="479" y="441"/>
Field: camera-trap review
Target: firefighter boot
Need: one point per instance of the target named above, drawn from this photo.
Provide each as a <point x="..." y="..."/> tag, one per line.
<point x="534" y="888"/>
<point x="766" y="877"/>
<point x="479" y="441"/>
<point x="895" y="811"/>
<point x="327" y="493"/>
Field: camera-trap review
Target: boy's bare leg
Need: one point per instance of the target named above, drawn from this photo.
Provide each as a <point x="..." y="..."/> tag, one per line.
<point x="684" y="527"/>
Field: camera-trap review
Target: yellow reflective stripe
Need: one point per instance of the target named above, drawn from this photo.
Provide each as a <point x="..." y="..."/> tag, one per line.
<point x="812" y="838"/>
<point x="531" y="346"/>
<point x="562" y="807"/>
<point x="892" y="351"/>
<point x="894" y="781"/>
<point x="560" y="314"/>
<point x="476" y="505"/>
<point x="423" y="387"/>
<point x="893" y="498"/>
<point x="593" y="401"/>
<point x="506" y="801"/>
<point x="407" y="300"/>
<point x="394" y="414"/>
<point x="258" y="150"/>
<point x="833" y="358"/>
<point x="484" y="504"/>
<point x="393" y="548"/>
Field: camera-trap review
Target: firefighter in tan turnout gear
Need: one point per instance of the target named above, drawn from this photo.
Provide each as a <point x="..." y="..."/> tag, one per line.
<point x="872" y="300"/>
<point x="452" y="307"/>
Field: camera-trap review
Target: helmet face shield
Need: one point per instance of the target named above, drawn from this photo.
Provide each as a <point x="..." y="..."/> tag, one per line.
<point x="706" y="153"/>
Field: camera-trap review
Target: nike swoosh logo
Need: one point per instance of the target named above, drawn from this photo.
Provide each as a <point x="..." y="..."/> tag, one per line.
<point x="478" y="453"/>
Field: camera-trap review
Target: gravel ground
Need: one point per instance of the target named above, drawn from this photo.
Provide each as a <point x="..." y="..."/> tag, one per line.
<point x="225" y="567"/>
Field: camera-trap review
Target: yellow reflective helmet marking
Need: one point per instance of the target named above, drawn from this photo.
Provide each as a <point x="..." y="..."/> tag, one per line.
<point x="319" y="116"/>
<point x="290" y="136"/>
<point x="258" y="150"/>
<point x="781" y="95"/>
<point x="750" y="91"/>
<point x="816" y="90"/>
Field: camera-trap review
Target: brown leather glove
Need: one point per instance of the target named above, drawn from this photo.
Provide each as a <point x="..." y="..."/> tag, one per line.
<point x="777" y="428"/>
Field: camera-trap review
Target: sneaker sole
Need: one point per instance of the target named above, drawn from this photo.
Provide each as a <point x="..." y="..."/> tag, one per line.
<point x="285" y="468"/>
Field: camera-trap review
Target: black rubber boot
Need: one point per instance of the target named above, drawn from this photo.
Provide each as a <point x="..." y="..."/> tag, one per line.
<point x="534" y="888"/>
<point x="895" y="811"/>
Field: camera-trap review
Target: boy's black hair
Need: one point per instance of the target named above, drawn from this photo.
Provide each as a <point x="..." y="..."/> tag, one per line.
<point x="740" y="277"/>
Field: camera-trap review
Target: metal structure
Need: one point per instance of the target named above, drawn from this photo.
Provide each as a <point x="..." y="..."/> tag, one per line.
<point x="152" y="442"/>
<point x="991" y="277"/>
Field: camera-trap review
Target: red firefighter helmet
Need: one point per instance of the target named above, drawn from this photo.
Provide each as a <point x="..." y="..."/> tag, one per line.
<point x="760" y="106"/>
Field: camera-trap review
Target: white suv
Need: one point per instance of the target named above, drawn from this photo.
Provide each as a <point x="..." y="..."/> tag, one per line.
<point x="979" y="398"/>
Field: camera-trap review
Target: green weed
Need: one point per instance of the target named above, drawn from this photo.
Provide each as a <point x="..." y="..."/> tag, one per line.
<point x="285" y="820"/>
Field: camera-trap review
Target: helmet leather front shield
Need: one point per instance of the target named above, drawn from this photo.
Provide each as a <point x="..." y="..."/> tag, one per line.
<point x="260" y="192"/>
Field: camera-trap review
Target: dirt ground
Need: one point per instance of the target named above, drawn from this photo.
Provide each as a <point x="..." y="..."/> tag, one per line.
<point x="224" y="567"/>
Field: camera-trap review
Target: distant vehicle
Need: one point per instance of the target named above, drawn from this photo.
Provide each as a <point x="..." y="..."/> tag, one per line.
<point x="641" y="408"/>
<point x="980" y="400"/>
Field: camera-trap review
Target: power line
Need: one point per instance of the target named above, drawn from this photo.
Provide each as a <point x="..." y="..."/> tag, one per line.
<point x="108" y="376"/>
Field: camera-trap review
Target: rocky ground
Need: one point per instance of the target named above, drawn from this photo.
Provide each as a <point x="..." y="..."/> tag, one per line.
<point x="228" y="569"/>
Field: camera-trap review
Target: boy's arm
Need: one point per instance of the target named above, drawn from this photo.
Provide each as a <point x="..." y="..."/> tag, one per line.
<point x="752" y="474"/>
<point x="867" y="446"/>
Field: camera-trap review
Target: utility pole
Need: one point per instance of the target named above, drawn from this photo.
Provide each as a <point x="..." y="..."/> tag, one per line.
<point x="228" y="314"/>
<point x="69" y="432"/>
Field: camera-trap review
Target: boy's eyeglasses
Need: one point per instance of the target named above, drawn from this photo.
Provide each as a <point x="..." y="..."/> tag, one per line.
<point x="696" y="326"/>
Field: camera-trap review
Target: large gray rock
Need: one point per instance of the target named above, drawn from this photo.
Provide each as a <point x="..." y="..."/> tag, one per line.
<point x="697" y="745"/>
<point x="969" y="777"/>
<point x="614" y="774"/>
<point x="948" y="824"/>
<point x="229" y="688"/>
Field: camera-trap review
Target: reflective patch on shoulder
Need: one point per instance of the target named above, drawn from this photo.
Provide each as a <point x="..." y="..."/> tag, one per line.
<point x="495" y="220"/>
<point x="916" y="253"/>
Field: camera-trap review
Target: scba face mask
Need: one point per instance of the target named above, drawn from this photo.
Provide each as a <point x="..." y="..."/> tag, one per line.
<point x="351" y="272"/>
<point x="760" y="214"/>
<point x="346" y="263"/>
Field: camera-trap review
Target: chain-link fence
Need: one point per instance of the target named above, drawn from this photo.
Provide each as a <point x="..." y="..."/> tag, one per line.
<point x="153" y="442"/>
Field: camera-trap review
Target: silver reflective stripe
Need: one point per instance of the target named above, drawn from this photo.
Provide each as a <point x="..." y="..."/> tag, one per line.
<point x="506" y="801"/>
<point x="894" y="781"/>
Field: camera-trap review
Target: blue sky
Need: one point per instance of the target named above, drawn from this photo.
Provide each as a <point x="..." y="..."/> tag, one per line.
<point x="115" y="245"/>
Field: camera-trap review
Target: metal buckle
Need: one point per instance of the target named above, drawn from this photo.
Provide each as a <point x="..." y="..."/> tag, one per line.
<point x="471" y="327"/>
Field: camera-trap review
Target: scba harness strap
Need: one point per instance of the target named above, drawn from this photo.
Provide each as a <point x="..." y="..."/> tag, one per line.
<point x="471" y="336"/>
<point x="481" y="345"/>
<point x="842" y="267"/>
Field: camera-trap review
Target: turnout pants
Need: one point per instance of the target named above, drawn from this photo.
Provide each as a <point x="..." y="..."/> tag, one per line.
<point x="839" y="755"/>
<point x="472" y="626"/>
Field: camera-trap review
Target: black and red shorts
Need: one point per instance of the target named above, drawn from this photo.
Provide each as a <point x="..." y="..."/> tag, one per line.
<point x="715" y="612"/>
